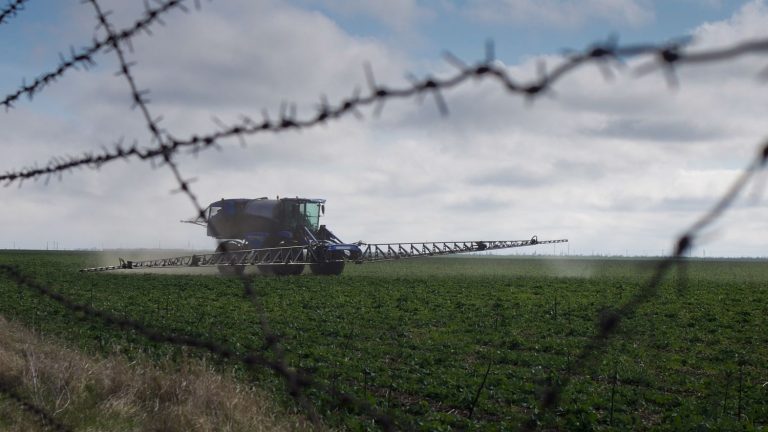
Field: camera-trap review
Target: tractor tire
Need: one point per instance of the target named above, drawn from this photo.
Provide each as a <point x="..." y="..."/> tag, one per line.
<point x="334" y="268"/>
<point x="334" y="265"/>
<point x="286" y="269"/>
<point x="230" y="270"/>
<point x="282" y="269"/>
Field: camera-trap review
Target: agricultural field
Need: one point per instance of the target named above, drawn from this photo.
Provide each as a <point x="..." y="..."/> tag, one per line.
<point x="453" y="343"/>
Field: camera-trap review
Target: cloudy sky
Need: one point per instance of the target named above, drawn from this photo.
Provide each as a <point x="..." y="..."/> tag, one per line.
<point x="617" y="166"/>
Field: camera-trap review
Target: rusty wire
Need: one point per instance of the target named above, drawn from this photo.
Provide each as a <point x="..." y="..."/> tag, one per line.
<point x="163" y="146"/>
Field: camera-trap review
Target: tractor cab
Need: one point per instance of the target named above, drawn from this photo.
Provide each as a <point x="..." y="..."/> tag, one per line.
<point x="296" y="213"/>
<point x="263" y="222"/>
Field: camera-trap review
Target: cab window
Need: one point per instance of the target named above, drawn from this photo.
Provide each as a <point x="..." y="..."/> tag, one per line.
<point x="312" y="215"/>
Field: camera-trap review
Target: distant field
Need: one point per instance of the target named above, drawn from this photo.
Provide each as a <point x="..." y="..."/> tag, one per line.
<point x="416" y="337"/>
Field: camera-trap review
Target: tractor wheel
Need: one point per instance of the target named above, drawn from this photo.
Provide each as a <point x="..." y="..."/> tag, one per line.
<point x="230" y="270"/>
<point x="283" y="269"/>
<point x="330" y="268"/>
<point x="333" y="268"/>
<point x="286" y="269"/>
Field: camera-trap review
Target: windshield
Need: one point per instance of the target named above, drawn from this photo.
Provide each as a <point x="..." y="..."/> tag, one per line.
<point x="301" y="213"/>
<point x="311" y="213"/>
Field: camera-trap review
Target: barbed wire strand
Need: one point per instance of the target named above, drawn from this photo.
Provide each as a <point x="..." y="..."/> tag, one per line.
<point x="664" y="57"/>
<point x="22" y="280"/>
<point x="296" y="380"/>
<point x="609" y="321"/>
<point x="138" y="96"/>
<point x="47" y="420"/>
<point x="295" y="389"/>
<point x="11" y="10"/>
<point x="85" y="56"/>
<point x="140" y="102"/>
<point x="272" y="342"/>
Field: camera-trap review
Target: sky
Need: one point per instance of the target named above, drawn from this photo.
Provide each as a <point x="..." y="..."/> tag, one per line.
<point x="618" y="166"/>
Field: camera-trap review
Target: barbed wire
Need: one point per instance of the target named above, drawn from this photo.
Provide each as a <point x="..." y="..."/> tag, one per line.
<point x="9" y="391"/>
<point x="85" y="57"/>
<point x="609" y="321"/>
<point x="140" y="101"/>
<point x="11" y="10"/>
<point x="606" y="55"/>
<point x="296" y="380"/>
<point x="164" y="146"/>
<point x="14" y="274"/>
<point x="272" y="343"/>
<point x="293" y="380"/>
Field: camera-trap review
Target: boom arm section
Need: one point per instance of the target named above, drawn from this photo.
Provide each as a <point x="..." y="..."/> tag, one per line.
<point x="325" y="251"/>
<point x="393" y="251"/>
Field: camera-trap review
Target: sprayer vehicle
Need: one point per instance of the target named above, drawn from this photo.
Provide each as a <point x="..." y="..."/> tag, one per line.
<point x="282" y="236"/>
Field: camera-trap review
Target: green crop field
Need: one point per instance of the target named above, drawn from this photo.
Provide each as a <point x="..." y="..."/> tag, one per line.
<point x="415" y="338"/>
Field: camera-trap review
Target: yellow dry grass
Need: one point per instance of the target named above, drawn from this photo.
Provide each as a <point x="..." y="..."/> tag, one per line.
<point x="90" y="393"/>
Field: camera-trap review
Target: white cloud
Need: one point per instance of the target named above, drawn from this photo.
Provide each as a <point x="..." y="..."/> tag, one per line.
<point x="397" y="14"/>
<point x="561" y="13"/>
<point x="747" y="22"/>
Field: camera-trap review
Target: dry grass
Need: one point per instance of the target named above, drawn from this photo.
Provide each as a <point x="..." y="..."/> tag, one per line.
<point x="109" y="394"/>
